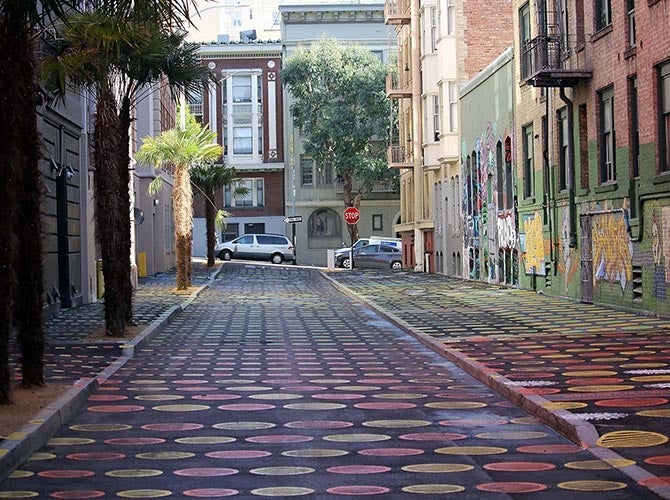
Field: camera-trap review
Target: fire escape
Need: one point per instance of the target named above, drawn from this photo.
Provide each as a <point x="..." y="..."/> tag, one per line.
<point x="549" y="59"/>
<point x="399" y="86"/>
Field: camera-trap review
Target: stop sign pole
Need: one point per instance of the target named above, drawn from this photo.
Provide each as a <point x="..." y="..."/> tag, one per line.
<point x="351" y="216"/>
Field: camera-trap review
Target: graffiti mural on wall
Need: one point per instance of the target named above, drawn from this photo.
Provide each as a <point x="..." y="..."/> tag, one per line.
<point x="660" y="247"/>
<point x="506" y="231"/>
<point x="612" y="249"/>
<point x="532" y="243"/>
<point x="568" y="263"/>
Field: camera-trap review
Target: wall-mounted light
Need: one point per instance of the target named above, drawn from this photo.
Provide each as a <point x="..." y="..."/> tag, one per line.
<point x="155" y="202"/>
<point x="406" y="67"/>
<point x="61" y="169"/>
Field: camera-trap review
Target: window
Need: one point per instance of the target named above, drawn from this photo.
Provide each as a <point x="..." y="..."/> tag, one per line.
<point x="451" y="18"/>
<point x="500" y="171"/>
<point x="453" y="106"/>
<point x="664" y="119"/>
<point x="634" y="127"/>
<point x="242" y="88"/>
<point x="433" y="29"/>
<point x="429" y="30"/>
<point x="583" y="148"/>
<point x="324" y="174"/>
<point x="632" y="37"/>
<point x="242" y="141"/>
<point x="324" y="223"/>
<point x="563" y="159"/>
<point x="306" y="170"/>
<point x="524" y="39"/>
<point x="528" y="168"/>
<point x="606" y="142"/>
<point x="509" y="184"/>
<point x="436" y="118"/>
<point x="563" y="8"/>
<point x="254" y="196"/>
<point x="194" y="99"/>
<point x="377" y="222"/>
<point x="603" y="14"/>
<point x="230" y="232"/>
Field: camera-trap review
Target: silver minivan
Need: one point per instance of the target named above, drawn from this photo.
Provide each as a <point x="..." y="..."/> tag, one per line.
<point x="273" y="247"/>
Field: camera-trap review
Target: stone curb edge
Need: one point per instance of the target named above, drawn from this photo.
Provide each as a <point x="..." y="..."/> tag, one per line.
<point x="576" y="430"/>
<point x="18" y="447"/>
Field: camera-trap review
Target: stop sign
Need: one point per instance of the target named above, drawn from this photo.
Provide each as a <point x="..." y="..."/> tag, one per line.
<point x="351" y="215"/>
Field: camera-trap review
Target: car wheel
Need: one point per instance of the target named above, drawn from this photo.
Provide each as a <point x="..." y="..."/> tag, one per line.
<point x="396" y="265"/>
<point x="226" y="255"/>
<point x="346" y="263"/>
<point x="277" y="258"/>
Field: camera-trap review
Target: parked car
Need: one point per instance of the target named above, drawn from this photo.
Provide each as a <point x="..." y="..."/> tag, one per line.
<point x="361" y="242"/>
<point x="273" y="247"/>
<point x="373" y="256"/>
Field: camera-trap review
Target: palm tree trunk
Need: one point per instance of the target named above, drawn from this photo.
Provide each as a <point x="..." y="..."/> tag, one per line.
<point x="124" y="210"/>
<point x="107" y="188"/>
<point x="210" y="215"/>
<point x="182" y="200"/>
<point x="28" y="229"/>
<point x="10" y="44"/>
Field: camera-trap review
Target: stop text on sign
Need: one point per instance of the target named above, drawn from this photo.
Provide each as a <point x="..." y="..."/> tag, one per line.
<point x="352" y="215"/>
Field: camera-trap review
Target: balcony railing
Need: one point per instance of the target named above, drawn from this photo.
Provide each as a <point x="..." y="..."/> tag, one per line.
<point x="377" y="187"/>
<point x="397" y="11"/>
<point x="396" y="88"/>
<point x="545" y="62"/>
<point x="400" y="157"/>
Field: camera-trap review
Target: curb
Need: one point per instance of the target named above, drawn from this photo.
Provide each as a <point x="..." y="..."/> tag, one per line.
<point x="580" y="432"/>
<point x="20" y="445"/>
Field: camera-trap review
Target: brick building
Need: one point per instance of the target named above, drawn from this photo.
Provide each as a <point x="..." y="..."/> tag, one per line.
<point x="592" y="148"/>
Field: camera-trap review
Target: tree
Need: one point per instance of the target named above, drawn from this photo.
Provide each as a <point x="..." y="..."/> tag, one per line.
<point x="180" y="149"/>
<point x="207" y="179"/>
<point x="340" y="106"/>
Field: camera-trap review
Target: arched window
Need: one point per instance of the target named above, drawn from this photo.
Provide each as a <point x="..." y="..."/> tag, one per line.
<point x="500" y="170"/>
<point x="324" y="223"/>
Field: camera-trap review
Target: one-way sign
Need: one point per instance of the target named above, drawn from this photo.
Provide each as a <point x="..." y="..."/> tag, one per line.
<point x="292" y="219"/>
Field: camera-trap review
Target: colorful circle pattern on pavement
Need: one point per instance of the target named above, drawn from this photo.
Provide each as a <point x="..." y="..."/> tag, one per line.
<point x="398" y="421"/>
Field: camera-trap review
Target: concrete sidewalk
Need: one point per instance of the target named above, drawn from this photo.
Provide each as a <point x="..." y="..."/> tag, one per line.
<point x="599" y="376"/>
<point x="70" y="358"/>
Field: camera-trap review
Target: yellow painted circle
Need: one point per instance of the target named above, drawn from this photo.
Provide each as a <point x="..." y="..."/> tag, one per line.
<point x="69" y="441"/>
<point x="275" y="396"/>
<point x="282" y="491"/>
<point x="564" y="405"/>
<point x="654" y="413"/>
<point x="590" y="373"/>
<point x="608" y="463"/>
<point x="134" y="473"/>
<point x="21" y="474"/>
<point x="100" y="427"/>
<point x="592" y="485"/>
<point x="330" y="381"/>
<point x="181" y="408"/>
<point x="433" y="489"/>
<point x="437" y="468"/>
<point x="165" y="455"/>
<point x="249" y="388"/>
<point x="205" y="440"/>
<point x="557" y="356"/>
<point x="147" y="381"/>
<point x="641" y="366"/>
<point x="315" y="406"/>
<point x="244" y="426"/>
<point x="396" y="424"/>
<point x="601" y="388"/>
<point x="314" y="453"/>
<point x="18" y="494"/>
<point x="159" y="397"/>
<point x="503" y="435"/>
<point x="282" y="471"/>
<point x="652" y="378"/>
<point x="357" y="388"/>
<point x="144" y="493"/>
<point x="400" y="395"/>
<point x="524" y="420"/>
<point x="471" y="450"/>
<point x="456" y="405"/>
<point x="42" y="456"/>
<point x="146" y="389"/>
<point x="356" y="438"/>
<point x="631" y="439"/>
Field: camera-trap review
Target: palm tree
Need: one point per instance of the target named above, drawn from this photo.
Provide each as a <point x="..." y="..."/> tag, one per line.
<point x="180" y="149"/>
<point x="207" y="179"/>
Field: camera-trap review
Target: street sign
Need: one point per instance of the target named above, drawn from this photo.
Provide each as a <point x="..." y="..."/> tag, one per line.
<point x="352" y="215"/>
<point x="292" y="219"/>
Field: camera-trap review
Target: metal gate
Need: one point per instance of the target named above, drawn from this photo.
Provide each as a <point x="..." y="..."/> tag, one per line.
<point x="586" y="259"/>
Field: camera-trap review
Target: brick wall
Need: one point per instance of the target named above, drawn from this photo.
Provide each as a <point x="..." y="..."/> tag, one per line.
<point x="488" y="30"/>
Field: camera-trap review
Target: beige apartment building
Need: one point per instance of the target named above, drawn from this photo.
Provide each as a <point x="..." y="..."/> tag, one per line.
<point x="441" y="45"/>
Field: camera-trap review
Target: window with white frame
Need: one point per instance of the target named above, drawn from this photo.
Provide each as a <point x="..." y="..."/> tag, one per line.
<point x="242" y="88"/>
<point x="632" y="36"/>
<point x="433" y="29"/>
<point x="436" y="118"/>
<point x="451" y="18"/>
<point x="253" y="196"/>
<point x="242" y="116"/>
<point x="563" y="158"/>
<point x="377" y="222"/>
<point x="324" y="174"/>
<point x="528" y="161"/>
<point x="453" y="106"/>
<point x="242" y="141"/>
<point x="194" y="98"/>
<point x="606" y="143"/>
<point x="306" y="170"/>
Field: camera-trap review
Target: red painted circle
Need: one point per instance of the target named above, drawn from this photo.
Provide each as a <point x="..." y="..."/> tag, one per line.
<point x="662" y="481"/>
<point x="95" y="456"/>
<point x="351" y="215"/>
<point x="358" y="490"/>
<point x="78" y="494"/>
<point x="512" y="487"/>
<point x="658" y="460"/>
<point x="519" y="466"/>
